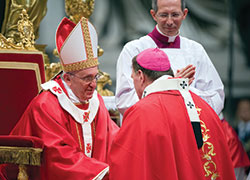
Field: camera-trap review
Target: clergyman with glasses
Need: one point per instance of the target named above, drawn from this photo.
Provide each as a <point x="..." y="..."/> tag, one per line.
<point x="188" y="58"/>
<point x="69" y="115"/>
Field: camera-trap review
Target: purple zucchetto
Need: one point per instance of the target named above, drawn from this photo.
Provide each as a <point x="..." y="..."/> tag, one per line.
<point x="153" y="59"/>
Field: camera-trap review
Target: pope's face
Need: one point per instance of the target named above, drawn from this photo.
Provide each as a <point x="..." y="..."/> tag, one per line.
<point x="137" y="83"/>
<point x="169" y="16"/>
<point x="83" y="83"/>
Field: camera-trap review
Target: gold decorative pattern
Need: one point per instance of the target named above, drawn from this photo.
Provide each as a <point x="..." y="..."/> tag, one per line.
<point x="22" y="175"/>
<point x="36" y="9"/>
<point x="76" y="9"/>
<point x="25" y="66"/>
<point x="91" y="61"/>
<point x="80" y="65"/>
<point x="25" y="27"/>
<point x="52" y="69"/>
<point x="20" y="155"/>
<point x="25" y="34"/>
<point x="209" y="166"/>
<point x="8" y="43"/>
<point x="87" y="39"/>
<point x="78" y="135"/>
<point x="102" y="81"/>
<point x="94" y="128"/>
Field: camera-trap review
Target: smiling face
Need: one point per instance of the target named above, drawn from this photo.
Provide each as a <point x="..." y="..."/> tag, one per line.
<point x="169" y="16"/>
<point x="82" y="83"/>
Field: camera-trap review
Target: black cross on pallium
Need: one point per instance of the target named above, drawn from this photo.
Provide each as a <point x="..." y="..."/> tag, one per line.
<point x="190" y="105"/>
<point x="144" y="93"/>
<point x="183" y="85"/>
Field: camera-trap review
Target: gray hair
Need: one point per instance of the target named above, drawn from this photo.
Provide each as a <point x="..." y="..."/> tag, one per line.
<point x="155" y="7"/>
<point x="152" y="75"/>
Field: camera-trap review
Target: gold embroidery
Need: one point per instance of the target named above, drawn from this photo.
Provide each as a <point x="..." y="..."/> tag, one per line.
<point x="204" y="132"/>
<point x="79" y="137"/>
<point x="208" y="151"/>
<point x="91" y="61"/>
<point x="86" y="36"/>
<point x="210" y="168"/>
<point x="78" y="134"/>
<point x="94" y="128"/>
<point x="80" y="65"/>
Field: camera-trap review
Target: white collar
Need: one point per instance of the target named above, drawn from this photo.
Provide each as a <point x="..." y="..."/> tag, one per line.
<point x="164" y="83"/>
<point x="66" y="103"/>
<point x="72" y="96"/>
<point x="84" y="117"/>
<point x="170" y="38"/>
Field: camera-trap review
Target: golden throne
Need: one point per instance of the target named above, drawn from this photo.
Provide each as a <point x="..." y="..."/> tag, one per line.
<point x="22" y="72"/>
<point x="23" y="68"/>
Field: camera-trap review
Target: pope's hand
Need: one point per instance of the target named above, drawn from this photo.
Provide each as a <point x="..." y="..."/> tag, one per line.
<point x="187" y="72"/>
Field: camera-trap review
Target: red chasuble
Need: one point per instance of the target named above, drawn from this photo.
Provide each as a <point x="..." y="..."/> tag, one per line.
<point x="63" y="156"/>
<point x="237" y="151"/>
<point x="157" y="141"/>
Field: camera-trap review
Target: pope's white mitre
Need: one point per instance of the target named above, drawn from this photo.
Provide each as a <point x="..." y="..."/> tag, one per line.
<point x="77" y="45"/>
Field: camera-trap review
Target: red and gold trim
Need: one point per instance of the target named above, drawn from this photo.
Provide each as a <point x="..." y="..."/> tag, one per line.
<point x="90" y="60"/>
<point x="87" y="39"/>
<point x="79" y="131"/>
<point x="80" y="65"/>
<point x="208" y="152"/>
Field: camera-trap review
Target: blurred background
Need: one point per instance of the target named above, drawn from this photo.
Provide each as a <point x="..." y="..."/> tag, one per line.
<point x="221" y="26"/>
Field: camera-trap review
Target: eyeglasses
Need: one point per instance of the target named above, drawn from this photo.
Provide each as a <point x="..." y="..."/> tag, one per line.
<point x="87" y="79"/>
<point x="164" y="16"/>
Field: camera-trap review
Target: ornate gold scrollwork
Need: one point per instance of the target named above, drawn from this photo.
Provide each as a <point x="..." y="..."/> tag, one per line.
<point x="208" y="151"/>
<point x="104" y="79"/>
<point x="25" y="27"/>
<point x="76" y="9"/>
<point x="210" y="168"/>
<point x="51" y="69"/>
<point x="25" y="33"/>
<point x="13" y="8"/>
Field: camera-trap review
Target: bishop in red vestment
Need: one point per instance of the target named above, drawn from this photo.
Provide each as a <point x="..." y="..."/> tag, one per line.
<point x="171" y="133"/>
<point x="69" y="115"/>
